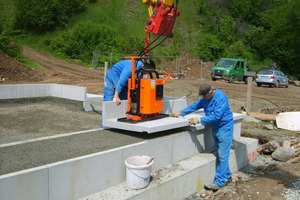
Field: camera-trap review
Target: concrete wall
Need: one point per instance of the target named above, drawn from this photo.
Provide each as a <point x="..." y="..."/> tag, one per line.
<point x="180" y="180"/>
<point x="76" y="178"/>
<point x="77" y="93"/>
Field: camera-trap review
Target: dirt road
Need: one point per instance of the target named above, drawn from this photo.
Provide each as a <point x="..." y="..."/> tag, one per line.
<point x="65" y="73"/>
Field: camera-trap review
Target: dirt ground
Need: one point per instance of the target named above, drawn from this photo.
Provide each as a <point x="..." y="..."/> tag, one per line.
<point x="267" y="181"/>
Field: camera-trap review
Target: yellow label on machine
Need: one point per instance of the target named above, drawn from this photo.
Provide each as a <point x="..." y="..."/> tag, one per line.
<point x="153" y="84"/>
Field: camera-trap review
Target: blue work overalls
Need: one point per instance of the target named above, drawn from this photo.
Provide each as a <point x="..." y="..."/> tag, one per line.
<point x="219" y="116"/>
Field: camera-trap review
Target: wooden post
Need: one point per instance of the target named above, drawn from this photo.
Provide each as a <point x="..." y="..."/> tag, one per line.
<point x="249" y="94"/>
<point x="105" y="70"/>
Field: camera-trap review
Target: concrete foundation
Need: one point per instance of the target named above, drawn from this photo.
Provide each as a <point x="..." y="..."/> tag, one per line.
<point x="96" y="175"/>
<point x="182" y="164"/>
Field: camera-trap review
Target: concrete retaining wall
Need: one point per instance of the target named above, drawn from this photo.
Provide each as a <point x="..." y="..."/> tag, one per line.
<point x="77" y="93"/>
<point x="179" y="181"/>
<point x="79" y="177"/>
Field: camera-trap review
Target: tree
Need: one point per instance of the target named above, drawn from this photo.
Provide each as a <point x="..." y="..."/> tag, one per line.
<point x="278" y="41"/>
<point x="210" y="47"/>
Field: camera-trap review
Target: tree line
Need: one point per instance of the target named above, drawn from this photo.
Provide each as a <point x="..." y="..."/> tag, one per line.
<point x="263" y="31"/>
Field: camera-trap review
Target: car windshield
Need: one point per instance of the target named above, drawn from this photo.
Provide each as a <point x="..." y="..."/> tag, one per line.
<point x="226" y="63"/>
<point x="266" y="72"/>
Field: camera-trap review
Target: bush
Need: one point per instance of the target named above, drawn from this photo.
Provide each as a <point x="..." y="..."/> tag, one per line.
<point x="46" y="15"/>
<point x="82" y="40"/>
<point x="9" y="47"/>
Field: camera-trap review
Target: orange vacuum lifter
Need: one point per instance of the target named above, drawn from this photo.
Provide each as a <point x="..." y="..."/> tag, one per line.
<point x="162" y="14"/>
<point x="145" y="89"/>
<point x="145" y="94"/>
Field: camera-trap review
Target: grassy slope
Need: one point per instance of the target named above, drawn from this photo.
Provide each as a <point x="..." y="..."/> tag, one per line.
<point x="128" y="17"/>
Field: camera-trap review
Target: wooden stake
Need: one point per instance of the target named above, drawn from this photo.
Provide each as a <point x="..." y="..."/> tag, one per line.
<point x="249" y="94"/>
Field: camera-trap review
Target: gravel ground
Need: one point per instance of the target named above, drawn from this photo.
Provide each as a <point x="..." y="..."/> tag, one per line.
<point x="36" y="118"/>
<point x="294" y="192"/>
<point x="23" y="119"/>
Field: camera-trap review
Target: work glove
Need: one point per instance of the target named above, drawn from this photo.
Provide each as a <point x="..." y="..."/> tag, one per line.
<point x="194" y="121"/>
<point x="175" y="114"/>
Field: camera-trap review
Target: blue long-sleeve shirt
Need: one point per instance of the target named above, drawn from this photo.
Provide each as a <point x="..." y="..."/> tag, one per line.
<point x="121" y="71"/>
<point x="217" y="110"/>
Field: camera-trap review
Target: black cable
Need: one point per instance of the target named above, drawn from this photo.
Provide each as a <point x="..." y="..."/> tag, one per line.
<point x="173" y="19"/>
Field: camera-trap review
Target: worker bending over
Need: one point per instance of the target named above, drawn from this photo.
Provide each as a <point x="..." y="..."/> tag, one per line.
<point x="116" y="79"/>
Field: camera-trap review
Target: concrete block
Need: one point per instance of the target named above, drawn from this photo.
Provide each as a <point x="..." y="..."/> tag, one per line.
<point x="93" y="102"/>
<point x="33" y="90"/>
<point x="8" y="92"/>
<point x="75" y="178"/>
<point x="187" y="144"/>
<point x="28" y="184"/>
<point x="245" y="151"/>
<point x="111" y="111"/>
<point x="24" y="91"/>
<point x="237" y="125"/>
<point x="69" y="92"/>
<point x="171" y="104"/>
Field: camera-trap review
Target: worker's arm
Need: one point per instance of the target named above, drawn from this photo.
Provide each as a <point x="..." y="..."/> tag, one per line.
<point x="123" y="80"/>
<point x="192" y="108"/>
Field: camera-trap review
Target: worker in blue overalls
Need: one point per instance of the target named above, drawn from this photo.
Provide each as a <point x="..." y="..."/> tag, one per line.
<point x="219" y="116"/>
<point x="116" y="79"/>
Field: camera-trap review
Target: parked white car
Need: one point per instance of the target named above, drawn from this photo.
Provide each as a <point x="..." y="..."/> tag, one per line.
<point x="272" y="78"/>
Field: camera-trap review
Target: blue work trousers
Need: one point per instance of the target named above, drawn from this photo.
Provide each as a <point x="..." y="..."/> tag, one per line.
<point x="110" y="87"/>
<point x="223" y="139"/>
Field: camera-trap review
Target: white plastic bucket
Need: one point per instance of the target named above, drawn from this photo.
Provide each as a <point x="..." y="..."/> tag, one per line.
<point x="138" y="170"/>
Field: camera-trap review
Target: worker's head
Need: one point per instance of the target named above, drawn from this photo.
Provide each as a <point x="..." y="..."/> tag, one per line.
<point x="205" y="91"/>
<point x="148" y="64"/>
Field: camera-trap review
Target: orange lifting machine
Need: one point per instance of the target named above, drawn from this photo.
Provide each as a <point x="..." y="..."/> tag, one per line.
<point x="145" y="88"/>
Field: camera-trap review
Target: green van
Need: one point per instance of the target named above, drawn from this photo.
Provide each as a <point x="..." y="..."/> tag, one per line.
<point x="231" y="69"/>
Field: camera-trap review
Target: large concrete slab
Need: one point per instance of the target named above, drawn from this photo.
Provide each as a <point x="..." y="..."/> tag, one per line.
<point x="112" y="113"/>
<point x="152" y="126"/>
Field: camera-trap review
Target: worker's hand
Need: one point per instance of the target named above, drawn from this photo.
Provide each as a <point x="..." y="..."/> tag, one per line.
<point x="194" y="120"/>
<point x="117" y="98"/>
<point x="175" y="114"/>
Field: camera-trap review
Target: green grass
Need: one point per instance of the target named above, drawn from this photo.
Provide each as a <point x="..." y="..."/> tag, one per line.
<point x="31" y="64"/>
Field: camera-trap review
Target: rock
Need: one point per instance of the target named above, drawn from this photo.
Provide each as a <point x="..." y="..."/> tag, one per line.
<point x="297" y="83"/>
<point x="268" y="126"/>
<point x="283" y="154"/>
<point x="286" y="143"/>
<point x="251" y="119"/>
<point x="294" y="160"/>
<point x="269" y="147"/>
